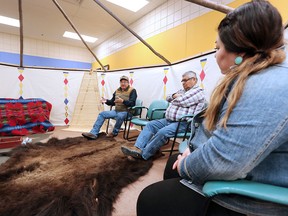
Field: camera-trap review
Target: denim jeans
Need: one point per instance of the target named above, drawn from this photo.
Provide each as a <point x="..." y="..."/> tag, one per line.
<point x="118" y="116"/>
<point x="155" y="134"/>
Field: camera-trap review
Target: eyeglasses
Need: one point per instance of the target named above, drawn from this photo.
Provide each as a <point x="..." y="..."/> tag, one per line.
<point x="185" y="80"/>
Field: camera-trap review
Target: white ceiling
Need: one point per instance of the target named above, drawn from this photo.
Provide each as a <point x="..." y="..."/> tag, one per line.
<point x="43" y="20"/>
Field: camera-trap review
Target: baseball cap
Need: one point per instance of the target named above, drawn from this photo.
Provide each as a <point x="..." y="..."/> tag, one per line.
<point x="124" y="78"/>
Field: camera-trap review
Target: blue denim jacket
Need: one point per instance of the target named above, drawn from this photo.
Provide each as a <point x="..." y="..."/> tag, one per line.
<point x="254" y="145"/>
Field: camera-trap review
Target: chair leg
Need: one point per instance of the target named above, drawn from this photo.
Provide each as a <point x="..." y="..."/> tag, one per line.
<point x="172" y="147"/>
<point x="133" y="138"/>
<point x="125" y="134"/>
<point x="107" y="128"/>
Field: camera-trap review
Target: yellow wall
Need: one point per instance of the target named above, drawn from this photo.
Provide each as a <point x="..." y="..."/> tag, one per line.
<point x="186" y="40"/>
<point x="282" y="6"/>
<point x="140" y="55"/>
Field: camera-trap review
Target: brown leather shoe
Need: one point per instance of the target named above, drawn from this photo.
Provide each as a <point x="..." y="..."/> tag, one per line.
<point x="132" y="151"/>
<point x="89" y="136"/>
<point x="110" y="135"/>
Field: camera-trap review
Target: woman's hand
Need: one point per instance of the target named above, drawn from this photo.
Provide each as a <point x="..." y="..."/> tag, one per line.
<point x="180" y="158"/>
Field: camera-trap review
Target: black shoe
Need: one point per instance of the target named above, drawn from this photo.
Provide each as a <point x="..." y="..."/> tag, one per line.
<point x="137" y="153"/>
<point x="90" y="136"/>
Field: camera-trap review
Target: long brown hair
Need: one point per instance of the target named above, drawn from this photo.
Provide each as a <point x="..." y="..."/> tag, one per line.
<point x="256" y="30"/>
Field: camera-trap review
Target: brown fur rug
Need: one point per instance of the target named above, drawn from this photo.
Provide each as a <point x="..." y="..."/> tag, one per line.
<point x="66" y="177"/>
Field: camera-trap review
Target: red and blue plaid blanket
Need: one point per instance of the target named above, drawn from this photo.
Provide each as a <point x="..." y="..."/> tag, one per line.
<point x="24" y="116"/>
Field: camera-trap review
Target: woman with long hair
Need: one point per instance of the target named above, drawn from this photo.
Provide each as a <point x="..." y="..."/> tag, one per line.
<point x="244" y="132"/>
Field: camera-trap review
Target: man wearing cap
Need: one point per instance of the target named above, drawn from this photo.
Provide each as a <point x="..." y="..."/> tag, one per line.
<point x="123" y="98"/>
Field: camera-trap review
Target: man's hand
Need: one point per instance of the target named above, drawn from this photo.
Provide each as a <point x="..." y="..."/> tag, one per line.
<point x="118" y="100"/>
<point x="176" y="95"/>
<point x="103" y="100"/>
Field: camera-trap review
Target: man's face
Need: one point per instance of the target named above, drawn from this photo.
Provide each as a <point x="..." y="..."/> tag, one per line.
<point x="124" y="84"/>
<point x="187" y="82"/>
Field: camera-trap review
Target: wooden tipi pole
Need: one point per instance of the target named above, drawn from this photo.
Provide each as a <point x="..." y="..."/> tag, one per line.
<point x="72" y="25"/>
<point x="132" y="32"/>
<point x="212" y="5"/>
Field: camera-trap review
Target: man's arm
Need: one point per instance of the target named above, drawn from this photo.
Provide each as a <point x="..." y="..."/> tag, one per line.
<point x="171" y="97"/>
<point x="111" y="102"/>
<point x="190" y="98"/>
<point x="132" y="99"/>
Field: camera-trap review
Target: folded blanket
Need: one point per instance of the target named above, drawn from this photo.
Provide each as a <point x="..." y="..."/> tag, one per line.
<point x="24" y="116"/>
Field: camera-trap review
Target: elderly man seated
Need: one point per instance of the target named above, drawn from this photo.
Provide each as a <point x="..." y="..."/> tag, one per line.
<point x="189" y="100"/>
<point x="123" y="98"/>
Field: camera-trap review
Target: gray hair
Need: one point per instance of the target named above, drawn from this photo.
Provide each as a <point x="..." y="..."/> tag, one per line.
<point x="190" y="74"/>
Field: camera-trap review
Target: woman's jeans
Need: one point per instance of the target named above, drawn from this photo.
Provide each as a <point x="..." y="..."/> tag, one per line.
<point x="118" y="116"/>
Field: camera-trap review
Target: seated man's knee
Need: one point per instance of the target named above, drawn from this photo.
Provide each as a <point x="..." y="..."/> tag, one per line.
<point x="151" y="126"/>
<point x="120" y="118"/>
<point x="162" y="132"/>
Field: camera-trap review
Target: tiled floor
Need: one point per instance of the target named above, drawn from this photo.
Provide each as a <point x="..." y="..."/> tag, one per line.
<point x="126" y="203"/>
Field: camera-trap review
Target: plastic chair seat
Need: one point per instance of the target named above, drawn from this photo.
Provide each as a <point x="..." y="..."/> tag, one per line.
<point x="139" y="122"/>
<point x="252" y="189"/>
<point x="183" y="135"/>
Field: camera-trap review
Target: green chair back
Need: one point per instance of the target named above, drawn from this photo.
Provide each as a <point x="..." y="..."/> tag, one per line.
<point x="157" y="109"/>
<point x="138" y="111"/>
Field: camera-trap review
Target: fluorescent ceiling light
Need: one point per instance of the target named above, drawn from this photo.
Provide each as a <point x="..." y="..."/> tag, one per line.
<point x="9" y="21"/>
<point x="133" y="5"/>
<point x="76" y="37"/>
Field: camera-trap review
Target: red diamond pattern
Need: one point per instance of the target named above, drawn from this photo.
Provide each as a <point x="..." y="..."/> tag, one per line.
<point x="165" y="80"/>
<point x="65" y="81"/>
<point x="202" y="75"/>
<point x="20" y="77"/>
<point x="66" y="121"/>
<point x="102" y="82"/>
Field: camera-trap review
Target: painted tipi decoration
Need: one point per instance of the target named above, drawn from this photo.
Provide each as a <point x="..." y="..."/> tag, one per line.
<point x="102" y="84"/>
<point x="165" y="80"/>
<point x="131" y="74"/>
<point x="202" y="73"/>
<point x="21" y="78"/>
<point x="131" y="78"/>
<point x="66" y="101"/>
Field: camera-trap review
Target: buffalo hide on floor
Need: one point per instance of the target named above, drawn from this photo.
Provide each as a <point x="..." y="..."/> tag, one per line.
<point x="65" y="177"/>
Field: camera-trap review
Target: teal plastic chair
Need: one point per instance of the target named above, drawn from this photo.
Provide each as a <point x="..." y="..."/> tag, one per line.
<point x="181" y="135"/>
<point x="156" y="110"/>
<point x="188" y="134"/>
<point x="183" y="146"/>
<point x="266" y="192"/>
<point x="136" y="112"/>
